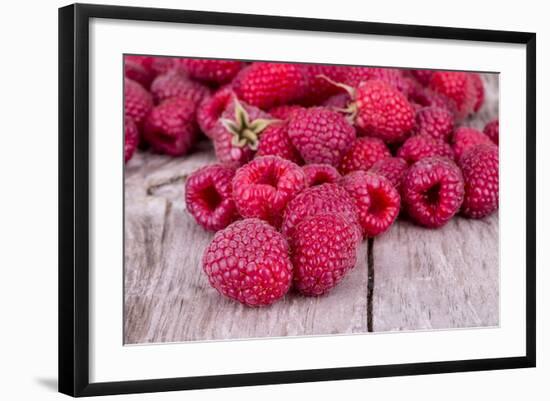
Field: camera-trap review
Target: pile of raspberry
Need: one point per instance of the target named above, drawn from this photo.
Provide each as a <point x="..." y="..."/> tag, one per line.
<point x="312" y="159"/>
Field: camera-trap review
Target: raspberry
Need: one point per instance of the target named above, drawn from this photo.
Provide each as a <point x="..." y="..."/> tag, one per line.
<point x="324" y="198"/>
<point x="175" y="83"/>
<point x="154" y="65"/>
<point x="317" y="174"/>
<point x="208" y="197"/>
<point x="355" y="76"/>
<point x="421" y="146"/>
<point x="480" y="169"/>
<point x="422" y="76"/>
<point x="266" y="85"/>
<point x="249" y="262"/>
<point x="275" y="141"/>
<point x="137" y="101"/>
<point x="479" y="91"/>
<point x="377" y="201"/>
<point x="284" y="111"/>
<point x="263" y="187"/>
<point x="465" y="137"/>
<point x="339" y="101"/>
<point x="393" y="168"/>
<point x="211" y="71"/>
<point x="319" y="89"/>
<point x="458" y="87"/>
<point x="363" y="154"/>
<point x="491" y="130"/>
<point x="436" y="122"/>
<point x="320" y="135"/>
<point x="211" y="108"/>
<point x="131" y="138"/>
<point x="171" y="128"/>
<point x="425" y="97"/>
<point x="138" y="73"/>
<point x="432" y="190"/>
<point x="323" y="250"/>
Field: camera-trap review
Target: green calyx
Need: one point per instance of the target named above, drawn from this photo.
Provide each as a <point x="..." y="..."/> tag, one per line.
<point x="245" y="132"/>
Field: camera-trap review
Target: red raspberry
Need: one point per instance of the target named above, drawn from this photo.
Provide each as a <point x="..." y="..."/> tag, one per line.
<point x="339" y="102"/>
<point x="432" y="190"/>
<point x="319" y="89"/>
<point x="377" y="201"/>
<point x="266" y="85"/>
<point x="320" y="135"/>
<point x="175" y="83"/>
<point x="263" y="187"/>
<point x="284" y="111"/>
<point x="480" y="169"/>
<point x="479" y="91"/>
<point x="137" y="72"/>
<point x="393" y="168"/>
<point x="422" y="76"/>
<point x="465" y="137"/>
<point x="458" y="87"/>
<point x="421" y="146"/>
<point x="249" y="262"/>
<point x="171" y="128"/>
<point x="208" y="197"/>
<point x="394" y="77"/>
<point x="211" y="108"/>
<point x="155" y="65"/>
<point x="425" y="97"/>
<point x="491" y="130"/>
<point x="237" y="131"/>
<point x="317" y="174"/>
<point x="324" y="198"/>
<point x="363" y="154"/>
<point x="131" y="138"/>
<point x="274" y="141"/>
<point x="436" y="122"/>
<point x="211" y="71"/>
<point x="324" y="249"/>
<point x="137" y="101"/>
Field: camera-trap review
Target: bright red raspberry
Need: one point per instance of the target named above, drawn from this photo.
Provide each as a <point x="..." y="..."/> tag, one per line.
<point x="324" y="249"/>
<point x="138" y="73"/>
<point x="394" y="77"/>
<point x="491" y="130"/>
<point x="436" y="122"/>
<point x="479" y="90"/>
<point x="363" y="154"/>
<point x="480" y="169"/>
<point x="393" y="168"/>
<point x="137" y="101"/>
<point x="319" y="89"/>
<point x="458" y="87"/>
<point x="171" y="128"/>
<point x="377" y="201"/>
<point x="317" y="174"/>
<point x="422" y="76"/>
<point x="263" y="187"/>
<point x="284" y="111"/>
<point x="266" y="85"/>
<point x="211" y="71"/>
<point x="466" y="137"/>
<point x="320" y="135"/>
<point x="131" y="138"/>
<point x="208" y="197"/>
<point x="211" y="108"/>
<point x="274" y="141"/>
<point x="324" y="198"/>
<point x="421" y="146"/>
<point x="175" y="83"/>
<point x="432" y="190"/>
<point x="249" y="262"/>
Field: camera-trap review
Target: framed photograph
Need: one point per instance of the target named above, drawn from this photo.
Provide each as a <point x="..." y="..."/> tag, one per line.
<point x="250" y="199"/>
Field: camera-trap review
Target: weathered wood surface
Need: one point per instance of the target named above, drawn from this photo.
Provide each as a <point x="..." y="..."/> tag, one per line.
<point x="419" y="278"/>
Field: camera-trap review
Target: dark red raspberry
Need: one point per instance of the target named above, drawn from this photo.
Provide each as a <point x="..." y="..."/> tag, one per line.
<point x="466" y="137"/>
<point x="491" y="130"/>
<point x="131" y="138"/>
<point x="171" y="128"/>
<point x="319" y="89"/>
<point x="137" y="101"/>
<point x="363" y="154"/>
<point x="480" y="169"/>
<point x="377" y="201"/>
<point x="154" y="65"/>
<point x="211" y="71"/>
<point x="458" y="87"/>
<point x="436" y="122"/>
<point x="274" y="141"/>
<point x="320" y="135"/>
<point x="284" y="111"/>
<point x="175" y="83"/>
<point x="237" y="131"/>
<point x="317" y="174"/>
<point x="479" y="90"/>
<point x="249" y="262"/>
<point x="211" y="108"/>
<point x="421" y="146"/>
<point x="324" y="249"/>
<point x="432" y="190"/>
<point x="338" y="102"/>
<point x="263" y="187"/>
<point x="422" y="76"/>
<point x="208" y="197"/>
<point x="324" y="198"/>
<point x="138" y="73"/>
<point x="393" y="168"/>
<point x="266" y="85"/>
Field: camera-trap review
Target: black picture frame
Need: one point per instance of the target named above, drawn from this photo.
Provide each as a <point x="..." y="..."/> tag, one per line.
<point x="74" y="199"/>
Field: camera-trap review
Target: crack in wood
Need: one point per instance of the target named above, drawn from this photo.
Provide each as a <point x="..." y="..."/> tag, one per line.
<point x="174" y="180"/>
<point x="370" y="282"/>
